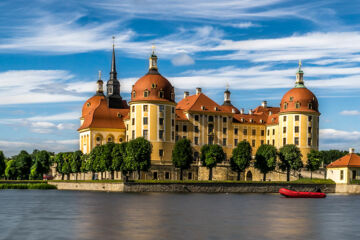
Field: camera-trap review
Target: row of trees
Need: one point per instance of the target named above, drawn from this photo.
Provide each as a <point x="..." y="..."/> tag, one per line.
<point x="25" y="166"/>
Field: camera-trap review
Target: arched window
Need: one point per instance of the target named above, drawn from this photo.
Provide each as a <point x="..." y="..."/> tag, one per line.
<point x="161" y="94"/>
<point x="110" y="138"/>
<point x="310" y="106"/>
<point x="285" y="105"/>
<point x="98" y="140"/>
<point x="120" y="139"/>
<point x="153" y="85"/>
<point x="134" y="94"/>
<point x="297" y="105"/>
<point x="146" y="93"/>
<point x="249" y="176"/>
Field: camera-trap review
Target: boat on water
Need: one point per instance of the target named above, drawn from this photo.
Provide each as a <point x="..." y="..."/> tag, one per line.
<point x="295" y="194"/>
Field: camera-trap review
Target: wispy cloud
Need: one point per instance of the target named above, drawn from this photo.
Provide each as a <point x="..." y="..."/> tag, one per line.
<point x="339" y="139"/>
<point x="350" y="112"/>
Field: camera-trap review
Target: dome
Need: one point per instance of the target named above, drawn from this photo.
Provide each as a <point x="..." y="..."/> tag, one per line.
<point x="299" y="99"/>
<point x="91" y="104"/>
<point x="152" y="86"/>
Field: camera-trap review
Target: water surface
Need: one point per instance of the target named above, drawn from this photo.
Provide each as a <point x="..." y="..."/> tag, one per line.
<point x="52" y="214"/>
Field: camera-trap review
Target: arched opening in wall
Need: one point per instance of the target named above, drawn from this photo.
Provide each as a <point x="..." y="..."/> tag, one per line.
<point x="98" y="140"/>
<point x="249" y="176"/>
<point x="120" y="140"/>
<point x="110" y="138"/>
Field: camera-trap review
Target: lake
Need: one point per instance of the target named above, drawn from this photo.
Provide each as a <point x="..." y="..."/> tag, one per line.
<point x="52" y="214"/>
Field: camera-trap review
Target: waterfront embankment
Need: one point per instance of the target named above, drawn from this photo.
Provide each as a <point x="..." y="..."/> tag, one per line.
<point x="195" y="187"/>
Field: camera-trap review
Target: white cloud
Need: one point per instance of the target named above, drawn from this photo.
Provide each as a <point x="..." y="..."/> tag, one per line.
<point x="182" y="60"/>
<point x="57" y="117"/>
<point x="244" y="25"/>
<point x="350" y="112"/>
<point x="11" y="148"/>
<point x="339" y="139"/>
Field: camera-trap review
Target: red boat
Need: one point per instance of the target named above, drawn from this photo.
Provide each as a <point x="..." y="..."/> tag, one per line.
<point x="294" y="194"/>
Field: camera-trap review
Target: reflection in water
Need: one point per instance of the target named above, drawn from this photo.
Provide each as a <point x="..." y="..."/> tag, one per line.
<point x="96" y="215"/>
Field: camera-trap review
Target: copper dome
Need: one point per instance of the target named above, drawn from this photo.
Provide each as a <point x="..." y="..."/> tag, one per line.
<point x="299" y="99"/>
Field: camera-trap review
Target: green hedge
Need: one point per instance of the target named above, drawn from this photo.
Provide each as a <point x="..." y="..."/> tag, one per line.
<point x="88" y="181"/>
<point x="26" y="186"/>
<point x="21" y="181"/>
<point x="355" y="182"/>
<point x="300" y="181"/>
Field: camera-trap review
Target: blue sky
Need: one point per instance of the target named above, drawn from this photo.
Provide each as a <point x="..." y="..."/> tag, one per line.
<point x="51" y="52"/>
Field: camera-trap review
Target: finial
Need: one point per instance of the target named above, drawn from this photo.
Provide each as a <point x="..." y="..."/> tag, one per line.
<point x="113" y="38"/>
<point x="227" y="86"/>
<point x="99" y="74"/>
<point x="299" y="63"/>
<point x="153" y="48"/>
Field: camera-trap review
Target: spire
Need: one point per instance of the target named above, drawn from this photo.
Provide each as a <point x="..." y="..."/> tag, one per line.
<point x="100" y="89"/>
<point x="227" y="101"/>
<point x="299" y="77"/>
<point x="153" y="60"/>
<point x="113" y="73"/>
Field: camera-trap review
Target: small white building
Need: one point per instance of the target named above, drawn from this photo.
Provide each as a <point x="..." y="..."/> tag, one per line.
<point x="344" y="169"/>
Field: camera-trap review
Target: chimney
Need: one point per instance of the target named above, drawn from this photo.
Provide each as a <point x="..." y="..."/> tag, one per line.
<point x="233" y="110"/>
<point x="186" y="94"/>
<point x="241" y="111"/>
<point x="351" y="150"/>
<point x="264" y="104"/>
<point x="198" y="91"/>
<point x="250" y="112"/>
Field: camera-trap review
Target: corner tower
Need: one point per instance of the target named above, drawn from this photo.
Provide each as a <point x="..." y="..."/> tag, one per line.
<point x="299" y="117"/>
<point x="152" y="112"/>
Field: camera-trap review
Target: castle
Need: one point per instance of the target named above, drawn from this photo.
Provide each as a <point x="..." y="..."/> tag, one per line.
<point x="152" y="113"/>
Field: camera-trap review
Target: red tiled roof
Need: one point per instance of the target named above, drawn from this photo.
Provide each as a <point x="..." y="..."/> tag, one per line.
<point x="350" y="160"/>
<point x="200" y="103"/>
<point x="97" y="114"/>
<point x="303" y="96"/>
<point x="180" y="115"/>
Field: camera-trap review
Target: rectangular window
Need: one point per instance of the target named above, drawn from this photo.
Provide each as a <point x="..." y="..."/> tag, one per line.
<point x="172" y="122"/>
<point x="253" y="143"/>
<point x="273" y="142"/>
<point x="210" y="140"/>
<point x="184" y="128"/>
<point x="167" y="175"/>
<point x="296" y="141"/>
<point x="224" y="119"/>
<point x="262" y="132"/>
<point x="145" y="134"/>
<point x="161" y="134"/>
<point x="172" y="110"/>
<point x="196" y="129"/>
<point x="253" y="132"/>
<point x="224" y="142"/>
<point x="309" y="141"/>
<point x="268" y="142"/>
<point x="177" y="138"/>
<point x="245" y="131"/>
<point x="284" y="141"/>
<point x="341" y="174"/>
<point x="236" y="142"/>
<point x="155" y="175"/>
<point x="268" y="132"/>
<point x="133" y="134"/>
<point x="296" y="129"/>
<point x="196" y="140"/>
<point x="284" y="118"/>
<point x="145" y="108"/>
<point x="297" y="117"/>
<point x="173" y="135"/>
<point x="161" y="108"/>
<point x="309" y="129"/>
<point x="133" y="121"/>
<point x="133" y="108"/>
<point x="210" y="128"/>
<point x="224" y="130"/>
<point x="127" y="127"/>
<point x="161" y="121"/>
<point x="161" y="152"/>
<point x="189" y="175"/>
<point x="197" y="118"/>
<point x="262" y="142"/>
<point x="273" y="131"/>
<point x="310" y="118"/>
<point x="236" y="131"/>
<point x="145" y="120"/>
<point x="211" y="118"/>
<point x="284" y="129"/>
<point x="177" y="128"/>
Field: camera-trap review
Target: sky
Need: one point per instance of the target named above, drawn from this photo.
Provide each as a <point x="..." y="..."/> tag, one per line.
<point x="51" y="52"/>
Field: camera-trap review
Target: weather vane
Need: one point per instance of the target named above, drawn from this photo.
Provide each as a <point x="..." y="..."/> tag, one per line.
<point x="99" y="74"/>
<point x="299" y="63"/>
<point x="227" y="85"/>
<point x="153" y="48"/>
<point x="113" y="38"/>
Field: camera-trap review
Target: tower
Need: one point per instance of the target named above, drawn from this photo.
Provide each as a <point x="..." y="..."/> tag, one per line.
<point x="299" y="117"/>
<point x="152" y="112"/>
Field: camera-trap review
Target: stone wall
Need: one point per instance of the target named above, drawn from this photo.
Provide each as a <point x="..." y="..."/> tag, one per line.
<point x="89" y="186"/>
<point x="348" y="188"/>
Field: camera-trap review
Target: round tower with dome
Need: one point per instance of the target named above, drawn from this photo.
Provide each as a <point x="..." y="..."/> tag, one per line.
<point x="152" y="112"/>
<point x="299" y="117"/>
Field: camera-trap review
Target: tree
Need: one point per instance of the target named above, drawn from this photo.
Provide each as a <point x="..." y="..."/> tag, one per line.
<point x="106" y="158"/>
<point x="182" y="155"/>
<point x="118" y="155"/>
<point x="329" y="156"/>
<point x="2" y="164"/>
<point x="265" y="159"/>
<point x="94" y="161"/>
<point x="83" y="166"/>
<point x="23" y="165"/>
<point x="314" y="161"/>
<point x="290" y="157"/>
<point x="212" y="154"/>
<point x="75" y="163"/>
<point x="35" y="171"/>
<point x="66" y="169"/>
<point x="42" y="161"/>
<point x="241" y="157"/>
<point x="59" y="160"/>
<point x="10" y="171"/>
<point x="138" y="154"/>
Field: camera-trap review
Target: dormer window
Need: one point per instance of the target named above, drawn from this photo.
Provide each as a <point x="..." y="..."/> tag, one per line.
<point x="215" y="108"/>
<point x="310" y="106"/>
<point x="88" y="104"/>
<point x="291" y="99"/>
<point x="172" y="96"/>
<point x="297" y="105"/>
<point x="153" y="85"/>
<point x="146" y="93"/>
<point x="119" y="115"/>
<point x="285" y="105"/>
<point x="134" y="94"/>
<point x="161" y="94"/>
